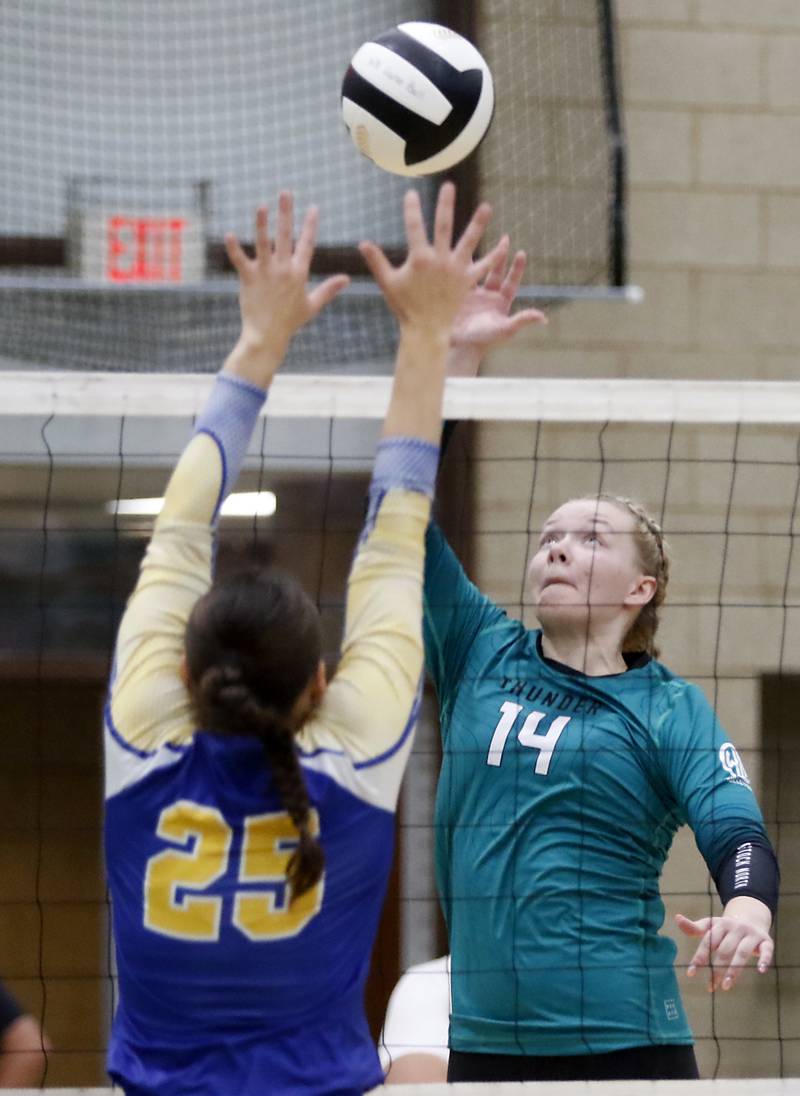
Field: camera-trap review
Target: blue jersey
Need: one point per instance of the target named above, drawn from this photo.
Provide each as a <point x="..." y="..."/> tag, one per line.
<point x="225" y="985"/>
<point x="559" y="798"/>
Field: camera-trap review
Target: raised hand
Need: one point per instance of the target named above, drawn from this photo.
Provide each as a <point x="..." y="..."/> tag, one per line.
<point x="727" y="946"/>
<point x="429" y="288"/>
<point x="275" y="300"/>
<point x="484" y="320"/>
<point x="425" y="293"/>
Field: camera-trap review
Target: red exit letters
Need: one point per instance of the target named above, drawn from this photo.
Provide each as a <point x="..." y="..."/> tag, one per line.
<point x="144" y="249"/>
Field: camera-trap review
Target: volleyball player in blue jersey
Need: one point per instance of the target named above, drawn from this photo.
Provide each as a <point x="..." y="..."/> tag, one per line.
<point x="249" y="805"/>
<point x="571" y="756"/>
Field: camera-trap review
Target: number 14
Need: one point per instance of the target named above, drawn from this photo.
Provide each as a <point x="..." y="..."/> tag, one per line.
<point x="528" y="736"/>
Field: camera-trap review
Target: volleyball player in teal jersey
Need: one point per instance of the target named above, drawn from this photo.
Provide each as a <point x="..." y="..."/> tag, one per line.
<point x="249" y="805"/>
<point x="571" y="756"/>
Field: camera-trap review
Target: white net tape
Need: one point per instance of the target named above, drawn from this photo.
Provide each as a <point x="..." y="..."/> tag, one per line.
<point x="488" y="399"/>
<point x="750" y="1087"/>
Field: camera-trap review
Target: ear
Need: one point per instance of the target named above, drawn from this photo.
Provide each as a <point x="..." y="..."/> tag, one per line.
<point x="183" y="670"/>
<point x="310" y="697"/>
<point x="319" y="683"/>
<point x="642" y="592"/>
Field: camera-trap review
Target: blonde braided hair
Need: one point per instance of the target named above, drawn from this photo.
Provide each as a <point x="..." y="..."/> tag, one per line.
<point x="654" y="560"/>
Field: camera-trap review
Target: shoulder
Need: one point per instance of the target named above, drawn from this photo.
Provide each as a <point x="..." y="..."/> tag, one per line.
<point x="497" y="643"/>
<point x="9" y="1010"/>
<point x="656" y="682"/>
<point x="677" y="692"/>
<point x="370" y="781"/>
<point x="498" y="629"/>
<point x="673" y="707"/>
<point x="652" y="698"/>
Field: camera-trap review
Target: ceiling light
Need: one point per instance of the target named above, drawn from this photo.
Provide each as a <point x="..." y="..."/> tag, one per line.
<point x="241" y="504"/>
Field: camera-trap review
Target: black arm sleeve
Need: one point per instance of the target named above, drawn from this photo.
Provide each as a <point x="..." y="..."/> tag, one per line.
<point x="750" y="869"/>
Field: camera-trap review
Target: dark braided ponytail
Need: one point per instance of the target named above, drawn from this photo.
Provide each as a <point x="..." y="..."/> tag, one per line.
<point x="253" y="644"/>
<point x="308" y="860"/>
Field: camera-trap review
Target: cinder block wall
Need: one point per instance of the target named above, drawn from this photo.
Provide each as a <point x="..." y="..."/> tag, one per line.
<point x="712" y="113"/>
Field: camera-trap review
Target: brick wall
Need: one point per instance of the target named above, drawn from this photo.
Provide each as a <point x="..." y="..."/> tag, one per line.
<point x="712" y="112"/>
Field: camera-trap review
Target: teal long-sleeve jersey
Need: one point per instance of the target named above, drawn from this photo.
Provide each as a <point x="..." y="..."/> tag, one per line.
<point x="558" y="801"/>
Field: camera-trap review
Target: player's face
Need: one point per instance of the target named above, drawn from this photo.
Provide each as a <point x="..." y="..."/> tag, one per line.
<point x="587" y="565"/>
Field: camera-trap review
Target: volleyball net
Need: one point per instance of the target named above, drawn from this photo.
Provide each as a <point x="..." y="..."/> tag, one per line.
<point x="760" y="1087"/>
<point x="84" y="459"/>
<point x="135" y="136"/>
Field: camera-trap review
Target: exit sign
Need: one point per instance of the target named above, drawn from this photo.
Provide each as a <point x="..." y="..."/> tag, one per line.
<point x="145" y="249"/>
<point x="154" y="248"/>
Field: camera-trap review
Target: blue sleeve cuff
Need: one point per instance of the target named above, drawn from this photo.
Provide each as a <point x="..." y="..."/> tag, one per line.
<point x="229" y="417"/>
<point x="409" y="463"/>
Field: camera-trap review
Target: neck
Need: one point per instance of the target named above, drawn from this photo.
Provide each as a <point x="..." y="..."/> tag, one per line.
<point x="590" y="655"/>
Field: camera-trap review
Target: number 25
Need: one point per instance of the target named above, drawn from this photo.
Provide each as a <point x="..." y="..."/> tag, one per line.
<point x="205" y="839"/>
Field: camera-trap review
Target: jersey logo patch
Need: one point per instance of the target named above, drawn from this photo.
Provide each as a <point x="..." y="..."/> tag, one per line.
<point x="733" y="765"/>
<point x="671" y="1008"/>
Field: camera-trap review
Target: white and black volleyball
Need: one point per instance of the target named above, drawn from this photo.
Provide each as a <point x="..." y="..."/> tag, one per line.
<point x="417" y="99"/>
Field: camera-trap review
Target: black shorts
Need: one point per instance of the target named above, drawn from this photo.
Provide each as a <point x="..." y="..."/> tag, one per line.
<point x="650" y="1063"/>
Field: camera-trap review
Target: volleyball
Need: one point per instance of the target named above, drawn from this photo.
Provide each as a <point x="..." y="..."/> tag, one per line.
<point x="417" y="99"/>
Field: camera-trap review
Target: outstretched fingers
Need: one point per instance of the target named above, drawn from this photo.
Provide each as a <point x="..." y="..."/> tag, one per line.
<point x="693" y="928"/>
<point x="728" y="967"/>
<point x="702" y="956"/>
<point x="697" y="928"/>
<point x="480" y="268"/>
<point x="416" y="236"/>
<point x="236" y="254"/>
<point x="379" y="266"/>
<point x="524" y="318"/>
<point x="739" y="955"/>
<point x="240" y="260"/>
<point x="263" y="247"/>
<point x="307" y="240"/>
<point x="766" y="952"/>
<point x="283" y="237"/>
<point x="443" y="219"/>
<point x="494" y="279"/>
<point x="508" y="291"/>
<point x="725" y="948"/>
<point x="513" y="279"/>
<point x="323" y="294"/>
<point x="471" y="236"/>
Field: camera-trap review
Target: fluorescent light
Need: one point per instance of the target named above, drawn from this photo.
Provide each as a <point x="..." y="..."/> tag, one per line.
<point x="135" y="506"/>
<point x="250" y="504"/>
<point x="241" y="504"/>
